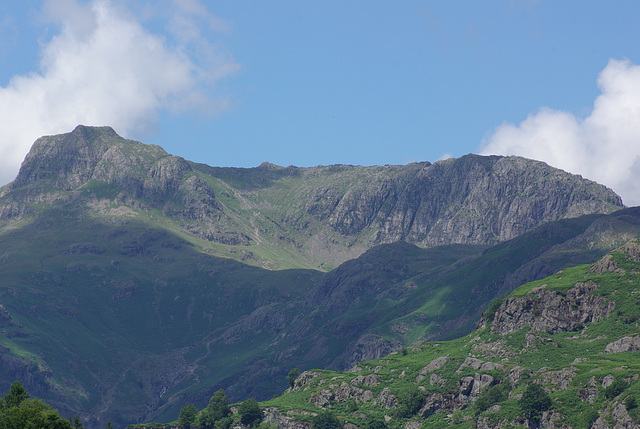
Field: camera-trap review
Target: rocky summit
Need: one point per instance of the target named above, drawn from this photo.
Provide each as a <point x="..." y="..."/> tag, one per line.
<point x="134" y="281"/>
<point x="289" y="217"/>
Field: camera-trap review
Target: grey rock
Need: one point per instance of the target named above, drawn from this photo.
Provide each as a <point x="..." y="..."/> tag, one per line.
<point x="471" y="386"/>
<point x="550" y="311"/>
<point x="386" y="399"/>
<point x="624" y="344"/>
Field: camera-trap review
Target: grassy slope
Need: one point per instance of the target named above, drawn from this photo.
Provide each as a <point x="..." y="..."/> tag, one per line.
<point x="128" y="298"/>
<point x="580" y="351"/>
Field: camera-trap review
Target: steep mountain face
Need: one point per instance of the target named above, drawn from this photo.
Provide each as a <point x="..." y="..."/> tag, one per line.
<point x="304" y="217"/>
<point x="574" y="335"/>
<point x="134" y="281"/>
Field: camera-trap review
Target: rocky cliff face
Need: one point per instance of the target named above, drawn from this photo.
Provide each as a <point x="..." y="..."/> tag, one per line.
<point x="321" y="216"/>
<point x="552" y="312"/>
<point x="471" y="200"/>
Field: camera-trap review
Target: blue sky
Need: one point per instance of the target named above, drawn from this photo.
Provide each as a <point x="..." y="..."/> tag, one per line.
<point x="236" y="83"/>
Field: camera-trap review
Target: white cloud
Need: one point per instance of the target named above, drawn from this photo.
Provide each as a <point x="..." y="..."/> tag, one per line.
<point x="604" y="146"/>
<point x="105" y="68"/>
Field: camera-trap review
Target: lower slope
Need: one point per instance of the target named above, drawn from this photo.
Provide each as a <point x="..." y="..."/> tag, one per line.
<point x="576" y="334"/>
<point x="120" y="319"/>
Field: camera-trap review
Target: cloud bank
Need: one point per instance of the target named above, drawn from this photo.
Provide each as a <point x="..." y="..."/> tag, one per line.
<point x="104" y="68"/>
<point x="604" y="146"/>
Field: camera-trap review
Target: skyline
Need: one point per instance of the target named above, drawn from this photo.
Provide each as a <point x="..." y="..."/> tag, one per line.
<point x="300" y="83"/>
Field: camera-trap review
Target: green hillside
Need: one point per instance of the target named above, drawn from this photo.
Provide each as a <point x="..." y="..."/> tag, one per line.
<point x="574" y="333"/>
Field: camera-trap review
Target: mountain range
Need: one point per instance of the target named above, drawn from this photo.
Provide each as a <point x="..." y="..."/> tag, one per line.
<point x="134" y="281"/>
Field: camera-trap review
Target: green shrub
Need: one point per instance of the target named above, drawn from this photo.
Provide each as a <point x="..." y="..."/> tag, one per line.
<point x="589" y="417"/>
<point x="490" y="312"/>
<point x="352" y="405"/>
<point x="410" y="401"/>
<point x="534" y="401"/>
<point x="291" y="377"/>
<point x="615" y="388"/>
<point x="326" y="420"/>
<point x="375" y="423"/>
<point x="492" y="395"/>
<point x="630" y="402"/>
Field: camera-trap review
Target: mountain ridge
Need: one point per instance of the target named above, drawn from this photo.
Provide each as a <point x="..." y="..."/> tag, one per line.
<point x="134" y="280"/>
<point x="315" y="217"/>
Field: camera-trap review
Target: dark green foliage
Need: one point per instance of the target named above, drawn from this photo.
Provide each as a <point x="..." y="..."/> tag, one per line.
<point x="18" y="410"/>
<point x="630" y="402"/>
<point x="410" y="401"/>
<point x="224" y="423"/>
<point x="187" y="416"/>
<point x="109" y="425"/>
<point x="490" y="312"/>
<point x="352" y="405"/>
<point x="250" y="412"/>
<point x="404" y="351"/>
<point x="326" y="420"/>
<point x="217" y="409"/>
<point x="493" y="395"/>
<point x="534" y="401"/>
<point x="291" y="377"/>
<point x="16" y="394"/>
<point x="75" y="422"/>
<point x="589" y="417"/>
<point x="615" y="388"/>
<point x="375" y="423"/>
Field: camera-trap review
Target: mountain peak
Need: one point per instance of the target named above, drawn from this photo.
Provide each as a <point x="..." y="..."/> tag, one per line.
<point x="90" y="132"/>
<point x="67" y="161"/>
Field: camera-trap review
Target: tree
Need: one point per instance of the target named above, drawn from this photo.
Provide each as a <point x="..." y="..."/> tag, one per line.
<point x="18" y="410"/>
<point x="292" y="376"/>
<point x="411" y="401"/>
<point x="217" y="410"/>
<point x="250" y="412"/>
<point x="326" y="420"/>
<point x="109" y="425"/>
<point x="534" y="401"/>
<point x="187" y="416"/>
<point x="224" y="423"/>
<point x="32" y="413"/>
<point x="76" y="423"/>
<point x="16" y="394"/>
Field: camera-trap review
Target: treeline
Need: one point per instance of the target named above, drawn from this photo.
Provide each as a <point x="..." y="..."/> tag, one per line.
<point x="19" y="411"/>
<point x="217" y="414"/>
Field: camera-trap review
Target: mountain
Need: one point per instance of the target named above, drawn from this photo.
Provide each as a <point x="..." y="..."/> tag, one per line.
<point x="575" y="334"/>
<point x="134" y="281"/>
<point x="289" y="217"/>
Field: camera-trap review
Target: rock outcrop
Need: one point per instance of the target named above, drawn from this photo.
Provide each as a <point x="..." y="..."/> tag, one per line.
<point x="552" y="312"/>
<point x="624" y="344"/>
